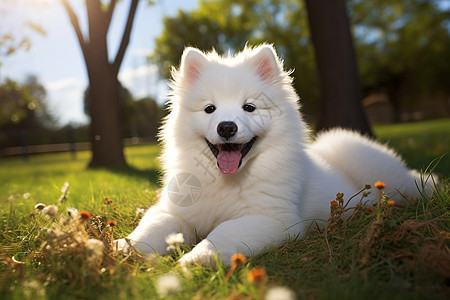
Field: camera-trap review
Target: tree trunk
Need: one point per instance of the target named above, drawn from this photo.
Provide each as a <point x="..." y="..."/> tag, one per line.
<point x="340" y="95"/>
<point x="105" y="127"/>
<point x="104" y="107"/>
<point x="104" y="87"/>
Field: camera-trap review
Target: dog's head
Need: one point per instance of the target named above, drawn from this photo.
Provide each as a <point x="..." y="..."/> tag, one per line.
<point x="231" y="103"/>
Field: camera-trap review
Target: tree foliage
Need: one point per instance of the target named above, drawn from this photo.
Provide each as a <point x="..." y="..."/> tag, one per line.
<point x="403" y="49"/>
<point x="229" y="25"/>
<point x="23" y="106"/>
<point x="402" y="46"/>
<point x="15" y="29"/>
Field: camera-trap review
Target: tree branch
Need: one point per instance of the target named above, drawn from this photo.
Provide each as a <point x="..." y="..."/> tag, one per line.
<point x="76" y="26"/>
<point x="125" y="37"/>
<point x="109" y="13"/>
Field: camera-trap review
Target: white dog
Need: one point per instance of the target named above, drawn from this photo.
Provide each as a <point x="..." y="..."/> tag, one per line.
<point x="239" y="171"/>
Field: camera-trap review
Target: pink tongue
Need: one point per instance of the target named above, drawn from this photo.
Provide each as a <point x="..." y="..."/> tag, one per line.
<point x="229" y="161"/>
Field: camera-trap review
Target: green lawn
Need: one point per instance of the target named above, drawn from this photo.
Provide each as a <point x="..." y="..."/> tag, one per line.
<point x="405" y="257"/>
<point x="420" y="143"/>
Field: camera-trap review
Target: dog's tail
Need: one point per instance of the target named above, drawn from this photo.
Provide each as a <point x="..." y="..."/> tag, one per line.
<point x="365" y="161"/>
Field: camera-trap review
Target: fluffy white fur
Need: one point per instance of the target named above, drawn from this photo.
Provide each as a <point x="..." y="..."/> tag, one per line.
<point x="282" y="184"/>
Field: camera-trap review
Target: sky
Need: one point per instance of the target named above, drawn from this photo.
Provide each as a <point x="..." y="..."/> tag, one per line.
<point x="56" y="58"/>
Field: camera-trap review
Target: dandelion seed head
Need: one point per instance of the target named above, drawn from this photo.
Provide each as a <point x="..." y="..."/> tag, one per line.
<point x="168" y="284"/>
<point x="26" y="195"/>
<point x="50" y="211"/>
<point x="54" y="232"/>
<point x="94" y="249"/>
<point x="64" y="193"/>
<point x="72" y="212"/>
<point x="139" y="211"/>
<point x="72" y="215"/>
<point x="174" y="240"/>
<point x="65" y="187"/>
<point x="280" y="293"/>
<point x="79" y="237"/>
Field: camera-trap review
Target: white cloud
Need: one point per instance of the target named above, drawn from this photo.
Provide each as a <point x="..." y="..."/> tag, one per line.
<point x="66" y="100"/>
<point x="141" y="52"/>
<point x="143" y="81"/>
<point x="66" y="83"/>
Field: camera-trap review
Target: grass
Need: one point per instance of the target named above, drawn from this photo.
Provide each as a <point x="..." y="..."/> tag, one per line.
<point x="409" y="258"/>
<point x="419" y="143"/>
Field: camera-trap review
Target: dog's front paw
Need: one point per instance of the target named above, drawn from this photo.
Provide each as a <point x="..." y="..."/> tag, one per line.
<point x="204" y="253"/>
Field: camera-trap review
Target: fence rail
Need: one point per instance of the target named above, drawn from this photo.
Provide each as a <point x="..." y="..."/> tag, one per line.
<point x="62" y="147"/>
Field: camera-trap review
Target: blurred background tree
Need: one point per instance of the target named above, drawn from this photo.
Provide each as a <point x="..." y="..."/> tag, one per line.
<point x="340" y="92"/>
<point x="138" y="118"/>
<point x="104" y="92"/>
<point x="402" y="53"/>
<point x="229" y="25"/>
<point x="402" y="46"/>
<point x="23" y="106"/>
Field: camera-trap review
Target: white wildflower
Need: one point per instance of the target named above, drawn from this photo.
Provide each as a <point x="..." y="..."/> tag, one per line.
<point x="72" y="212"/>
<point x="65" y="187"/>
<point x="168" y="284"/>
<point x="54" y="232"/>
<point x="174" y="240"/>
<point x="280" y="293"/>
<point x="70" y="218"/>
<point x="79" y="237"/>
<point x="139" y="212"/>
<point x="26" y="195"/>
<point x="40" y="206"/>
<point x="50" y="211"/>
<point x="94" y="249"/>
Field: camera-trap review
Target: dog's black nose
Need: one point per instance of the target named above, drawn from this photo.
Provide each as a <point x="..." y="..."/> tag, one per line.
<point x="227" y="129"/>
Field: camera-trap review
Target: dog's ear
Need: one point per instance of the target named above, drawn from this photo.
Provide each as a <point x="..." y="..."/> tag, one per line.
<point x="265" y="60"/>
<point x="192" y="62"/>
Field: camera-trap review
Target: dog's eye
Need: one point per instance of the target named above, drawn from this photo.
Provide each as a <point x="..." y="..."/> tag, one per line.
<point x="209" y="109"/>
<point x="249" y="107"/>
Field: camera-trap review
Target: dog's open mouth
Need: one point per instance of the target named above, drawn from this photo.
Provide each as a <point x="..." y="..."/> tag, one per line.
<point x="229" y="156"/>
